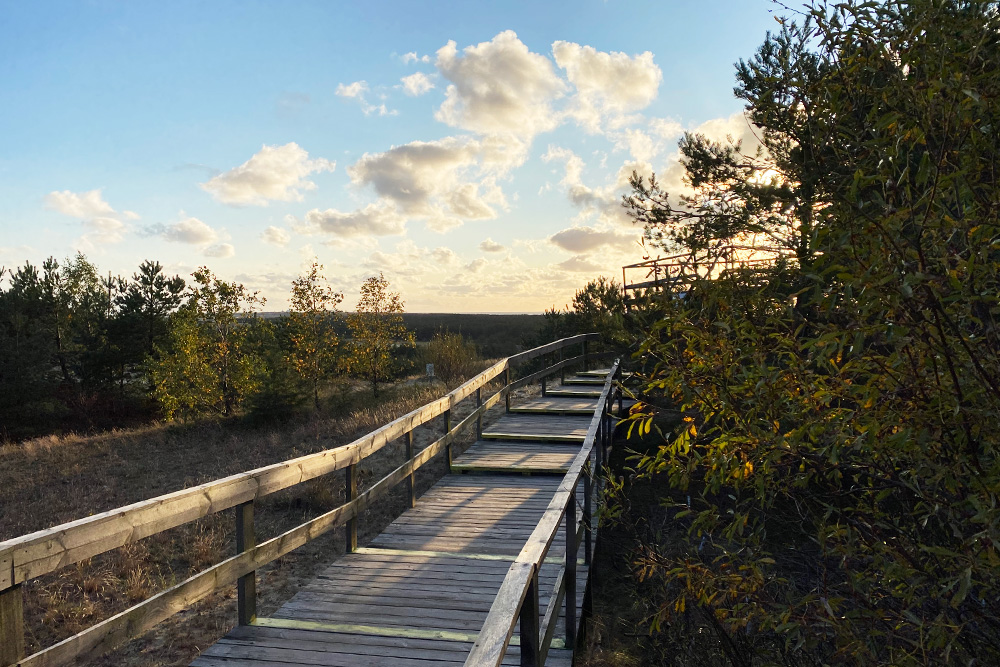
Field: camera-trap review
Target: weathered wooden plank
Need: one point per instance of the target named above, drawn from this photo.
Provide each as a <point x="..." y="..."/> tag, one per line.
<point x="246" y="585"/>
<point x="12" y="625"/>
<point x="556" y="405"/>
<point x="568" y="392"/>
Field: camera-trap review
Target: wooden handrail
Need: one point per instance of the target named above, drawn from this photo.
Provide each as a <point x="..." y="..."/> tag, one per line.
<point x="491" y="644"/>
<point x="41" y="552"/>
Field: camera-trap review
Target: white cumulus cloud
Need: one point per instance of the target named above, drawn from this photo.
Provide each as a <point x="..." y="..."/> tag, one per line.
<point x="445" y="182"/>
<point x="189" y="230"/>
<point x="412" y="57"/>
<point x="416" y="84"/>
<point x="84" y="205"/>
<point x="275" y="236"/>
<point x="377" y="219"/>
<point x="101" y="223"/>
<point x="489" y="245"/>
<point x="499" y="87"/>
<point x="275" y="173"/>
<point x="581" y="264"/>
<point x="607" y="84"/>
<point x="354" y="90"/>
<point x="582" y="240"/>
<point x="222" y="250"/>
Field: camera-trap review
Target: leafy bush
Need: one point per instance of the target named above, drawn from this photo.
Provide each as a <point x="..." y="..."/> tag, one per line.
<point x="453" y="357"/>
<point x="840" y="443"/>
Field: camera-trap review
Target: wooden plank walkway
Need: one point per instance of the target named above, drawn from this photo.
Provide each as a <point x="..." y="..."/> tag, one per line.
<point x="420" y="591"/>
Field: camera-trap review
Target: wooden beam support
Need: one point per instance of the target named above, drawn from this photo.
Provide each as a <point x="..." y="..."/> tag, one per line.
<point x="507" y="387"/>
<point x="246" y="586"/>
<point x="479" y="419"/>
<point x="530" y="626"/>
<point x="351" y="489"/>
<point x="411" y="480"/>
<point x="588" y="493"/>
<point x="447" y="432"/>
<point x="11" y="625"/>
<point x="572" y="546"/>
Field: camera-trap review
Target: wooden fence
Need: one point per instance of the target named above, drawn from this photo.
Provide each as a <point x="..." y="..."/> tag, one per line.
<point x="518" y="597"/>
<point x="36" y="554"/>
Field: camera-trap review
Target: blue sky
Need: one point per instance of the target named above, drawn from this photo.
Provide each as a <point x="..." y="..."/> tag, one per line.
<point x="474" y="153"/>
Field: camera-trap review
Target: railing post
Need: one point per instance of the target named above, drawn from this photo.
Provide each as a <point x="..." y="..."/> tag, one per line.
<point x="351" y="485"/>
<point x="479" y="419"/>
<point x="530" y="625"/>
<point x="586" y="355"/>
<point x="544" y="365"/>
<point x="411" y="480"/>
<point x="600" y="449"/>
<point x="562" y="370"/>
<point x="570" y="576"/>
<point x="506" y="382"/>
<point x="11" y="620"/>
<point x="588" y="482"/>
<point x="447" y="430"/>
<point x="246" y="586"/>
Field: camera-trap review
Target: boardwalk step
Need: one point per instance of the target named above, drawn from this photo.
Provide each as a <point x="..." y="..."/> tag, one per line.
<point x="569" y="392"/>
<point x="580" y="380"/>
<point x="555" y="405"/>
<point x="539" y="428"/>
<point x="515" y="457"/>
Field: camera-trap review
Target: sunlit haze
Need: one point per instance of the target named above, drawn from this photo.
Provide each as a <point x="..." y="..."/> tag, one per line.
<point x="474" y="153"/>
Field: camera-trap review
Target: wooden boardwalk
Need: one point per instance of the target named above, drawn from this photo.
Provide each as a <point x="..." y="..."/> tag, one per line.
<point x="420" y="592"/>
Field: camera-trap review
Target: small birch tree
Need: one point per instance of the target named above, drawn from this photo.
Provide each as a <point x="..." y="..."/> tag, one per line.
<point x="314" y="343"/>
<point x="376" y="329"/>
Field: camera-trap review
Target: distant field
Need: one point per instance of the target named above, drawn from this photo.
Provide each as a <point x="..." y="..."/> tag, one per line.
<point x="496" y="335"/>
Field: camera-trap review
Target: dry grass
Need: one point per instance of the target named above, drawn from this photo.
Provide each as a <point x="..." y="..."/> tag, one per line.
<point x="52" y="480"/>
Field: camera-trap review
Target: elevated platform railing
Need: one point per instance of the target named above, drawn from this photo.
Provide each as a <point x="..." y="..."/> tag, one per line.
<point x="30" y="556"/>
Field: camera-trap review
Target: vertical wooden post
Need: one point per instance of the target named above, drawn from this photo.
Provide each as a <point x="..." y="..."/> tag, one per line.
<point x="586" y="355"/>
<point x="588" y="482"/>
<point x="506" y="382"/>
<point x="562" y="370"/>
<point x="544" y="364"/>
<point x="11" y="623"/>
<point x="246" y="586"/>
<point x="411" y="481"/>
<point x="600" y="449"/>
<point x="351" y="485"/>
<point x="447" y="430"/>
<point x="479" y="419"/>
<point x="530" y="626"/>
<point x="570" y="576"/>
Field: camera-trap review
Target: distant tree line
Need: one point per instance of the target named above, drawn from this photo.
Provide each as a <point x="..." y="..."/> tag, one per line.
<point x="82" y="351"/>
